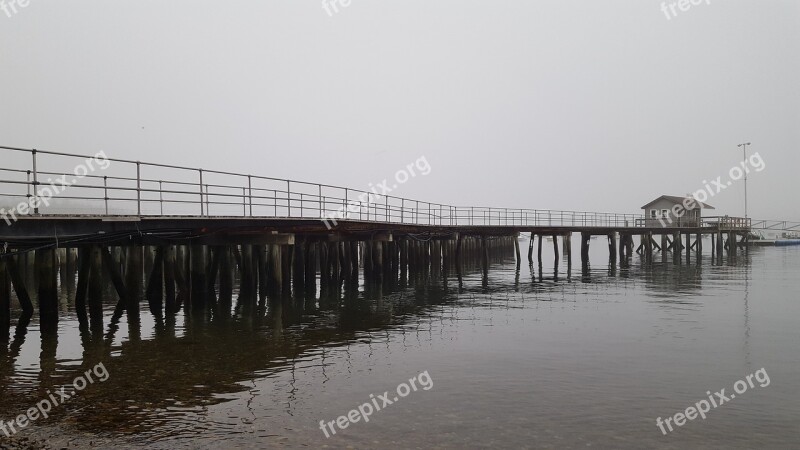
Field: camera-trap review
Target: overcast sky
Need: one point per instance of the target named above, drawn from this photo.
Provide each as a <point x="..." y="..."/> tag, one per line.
<point x="580" y="105"/>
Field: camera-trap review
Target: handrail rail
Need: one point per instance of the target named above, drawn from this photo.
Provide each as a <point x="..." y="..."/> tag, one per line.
<point x="218" y="193"/>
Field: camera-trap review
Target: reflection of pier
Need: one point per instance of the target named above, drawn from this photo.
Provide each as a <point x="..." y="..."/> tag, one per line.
<point x="246" y="328"/>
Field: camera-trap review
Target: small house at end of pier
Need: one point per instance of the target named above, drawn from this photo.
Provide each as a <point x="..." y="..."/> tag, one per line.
<point x="673" y="211"/>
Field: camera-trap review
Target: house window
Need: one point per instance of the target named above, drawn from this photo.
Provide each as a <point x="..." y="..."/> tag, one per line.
<point x="653" y="213"/>
<point x="664" y="213"/>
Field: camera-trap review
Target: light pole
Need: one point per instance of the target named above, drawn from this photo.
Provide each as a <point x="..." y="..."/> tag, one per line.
<point x="744" y="153"/>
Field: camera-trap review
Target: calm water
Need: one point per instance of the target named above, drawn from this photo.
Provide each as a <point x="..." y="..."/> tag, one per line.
<point x="585" y="361"/>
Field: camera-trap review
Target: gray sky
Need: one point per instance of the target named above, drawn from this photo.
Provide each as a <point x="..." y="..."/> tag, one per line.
<point x="582" y="105"/>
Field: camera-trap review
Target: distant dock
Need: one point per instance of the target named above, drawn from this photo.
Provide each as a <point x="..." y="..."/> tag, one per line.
<point x="775" y="242"/>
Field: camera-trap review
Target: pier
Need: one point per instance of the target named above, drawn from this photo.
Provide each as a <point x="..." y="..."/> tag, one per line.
<point x="180" y="237"/>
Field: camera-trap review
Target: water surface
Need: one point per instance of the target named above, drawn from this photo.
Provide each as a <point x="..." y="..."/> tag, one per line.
<point x="566" y="360"/>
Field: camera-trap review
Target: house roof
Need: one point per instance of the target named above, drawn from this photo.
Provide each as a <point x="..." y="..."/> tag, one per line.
<point x="677" y="200"/>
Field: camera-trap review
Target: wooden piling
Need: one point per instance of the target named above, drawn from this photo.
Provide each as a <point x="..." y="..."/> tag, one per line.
<point x="5" y="298"/>
<point x="133" y="281"/>
<point x="688" y="247"/>
<point x="377" y="259"/>
<point x="197" y="278"/>
<point x="155" y="285"/>
<point x="95" y="290"/>
<point x="612" y="247"/>
<point x="275" y="269"/>
<point x="84" y="264"/>
<point x="169" y="280"/>
<point x="585" y="239"/>
<point x="713" y="244"/>
<point x="484" y="254"/>
<point x="226" y="281"/>
<point x="539" y="250"/>
<point x="555" y="249"/>
<point x="214" y="255"/>
<point x="116" y="279"/>
<point x="48" y="285"/>
<point x="530" y="248"/>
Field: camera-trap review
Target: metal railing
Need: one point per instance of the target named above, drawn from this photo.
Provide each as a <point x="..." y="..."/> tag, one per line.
<point x="716" y="222"/>
<point x="777" y="225"/>
<point x="135" y="188"/>
<point x="728" y="222"/>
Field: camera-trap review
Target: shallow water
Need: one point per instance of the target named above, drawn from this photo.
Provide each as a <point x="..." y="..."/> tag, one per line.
<point x="515" y="360"/>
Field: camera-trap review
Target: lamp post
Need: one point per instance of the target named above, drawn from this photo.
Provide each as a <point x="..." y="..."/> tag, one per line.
<point x="744" y="153"/>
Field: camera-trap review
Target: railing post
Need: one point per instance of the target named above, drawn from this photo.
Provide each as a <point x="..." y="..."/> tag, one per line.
<point x="346" y="211"/>
<point x="35" y="202"/>
<point x="138" y="188"/>
<point x="289" y="198"/>
<point x="160" y="197"/>
<point x="321" y="210"/>
<point x="244" y="201"/>
<point x="28" y="179"/>
<point x="250" y="193"/>
<point x="208" y="201"/>
<point x="105" y="192"/>
<point x="202" y="206"/>
<point x="387" y="209"/>
<point x="402" y="209"/>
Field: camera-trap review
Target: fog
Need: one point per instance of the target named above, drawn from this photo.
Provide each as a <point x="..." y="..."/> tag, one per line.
<point x="574" y="105"/>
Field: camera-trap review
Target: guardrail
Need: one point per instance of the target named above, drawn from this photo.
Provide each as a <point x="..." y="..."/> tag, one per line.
<point x="728" y="223"/>
<point x="777" y="225"/>
<point x="716" y="222"/>
<point x="149" y="189"/>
